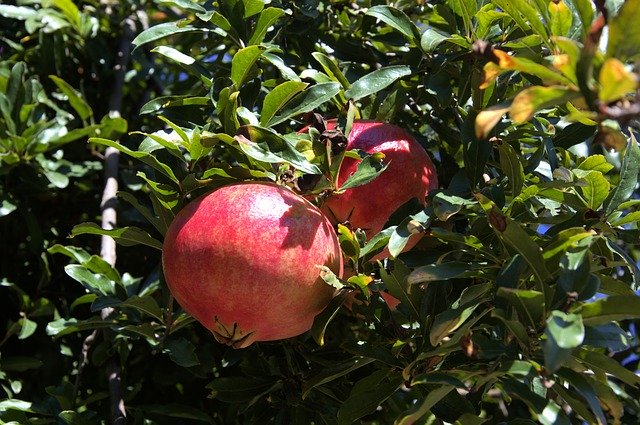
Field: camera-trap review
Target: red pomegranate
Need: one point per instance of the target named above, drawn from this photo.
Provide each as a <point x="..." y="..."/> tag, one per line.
<point x="245" y="261"/>
<point x="410" y="174"/>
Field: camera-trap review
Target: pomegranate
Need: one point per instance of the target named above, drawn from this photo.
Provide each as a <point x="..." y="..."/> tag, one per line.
<point x="410" y="174"/>
<point x="245" y="260"/>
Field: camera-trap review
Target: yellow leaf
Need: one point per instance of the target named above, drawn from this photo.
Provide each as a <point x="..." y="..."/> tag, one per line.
<point x="615" y="81"/>
<point x="491" y="72"/>
<point x="487" y="119"/>
<point x="532" y="99"/>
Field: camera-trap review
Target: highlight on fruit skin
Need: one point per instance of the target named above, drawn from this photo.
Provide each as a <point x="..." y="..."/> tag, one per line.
<point x="245" y="259"/>
<point x="410" y="174"/>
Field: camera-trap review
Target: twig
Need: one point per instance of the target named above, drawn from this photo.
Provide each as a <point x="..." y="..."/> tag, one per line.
<point x="82" y="362"/>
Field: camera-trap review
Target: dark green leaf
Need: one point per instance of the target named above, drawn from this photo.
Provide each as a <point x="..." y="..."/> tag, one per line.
<point x="322" y="320"/>
<point x="422" y="408"/>
<point x="96" y="283"/>
<point x="146" y="304"/>
<point x="239" y="389"/>
<point x="365" y="399"/>
<point x="145" y="157"/>
<point x="333" y="373"/>
<point x="182" y="352"/>
<point x="376" y="81"/>
<point x="73" y="97"/>
<point x="19" y="363"/>
<point x="163" y="30"/>
<point x="396" y="19"/>
<point x="612" y="308"/>
<point x="628" y="177"/>
<point x="243" y="62"/>
<point x="367" y="170"/>
<point x="268" y="17"/>
<point x="278" y="97"/>
<point x="174" y="410"/>
<point x="306" y="101"/>
<point x="126" y="236"/>
<point x="331" y="68"/>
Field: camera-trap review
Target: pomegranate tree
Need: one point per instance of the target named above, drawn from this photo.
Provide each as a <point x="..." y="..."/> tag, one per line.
<point x="246" y="260"/>
<point x="410" y="174"/>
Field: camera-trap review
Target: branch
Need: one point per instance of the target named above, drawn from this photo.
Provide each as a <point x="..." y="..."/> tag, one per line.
<point x="109" y="214"/>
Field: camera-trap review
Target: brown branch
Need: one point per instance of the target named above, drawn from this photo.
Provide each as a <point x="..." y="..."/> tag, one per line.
<point x="109" y="214"/>
<point x="82" y="362"/>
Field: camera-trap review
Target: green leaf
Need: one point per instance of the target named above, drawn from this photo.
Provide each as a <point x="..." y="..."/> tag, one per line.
<point x="364" y="399"/>
<point x="585" y="11"/>
<point x="176" y="410"/>
<point x="331" y="68"/>
<point x="566" y="330"/>
<point x="624" y="33"/>
<point x="525" y="15"/>
<point x="628" y="177"/>
<point x="449" y="320"/>
<point x="186" y="62"/>
<point x="146" y="304"/>
<point x="266" y="145"/>
<point x="528" y="304"/>
<point x="27" y="328"/>
<point x="278" y="97"/>
<point x="182" y="352"/>
<point x="333" y="373"/>
<point x="126" y="236"/>
<point x="431" y="38"/>
<point x="515" y="236"/>
<point x="239" y="389"/>
<point x="145" y="157"/>
<point x="396" y="283"/>
<point x="396" y="19"/>
<point x="19" y="363"/>
<point x="582" y="385"/>
<point x="6" y="207"/>
<point x="95" y="283"/>
<point x="443" y="271"/>
<point x="595" y="189"/>
<point x="377" y="80"/>
<point x="322" y="320"/>
<point x="609" y="309"/>
<point x="422" y="408"/>
<point x="308" y="100"/>
<point x="594" y="359"/>
<point x="163" y="30"/>
<point x="268" y="17"/>
<point x="243" y="62"/>
<point x="547" y="411"/>
<point x="17" y="12"/>
<point x="466" y="9"/>
<point x="63" y="326"/>
<point x="74" y="98"/>
<point x="512" y="167"/>
<point x="596" y="163"/>
<point x="560" y="18"/>
<point x="367" y="170"/>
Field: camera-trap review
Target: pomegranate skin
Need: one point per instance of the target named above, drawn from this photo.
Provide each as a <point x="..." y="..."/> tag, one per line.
<point x="410" y="174"/>
<point x="245" y="261"/>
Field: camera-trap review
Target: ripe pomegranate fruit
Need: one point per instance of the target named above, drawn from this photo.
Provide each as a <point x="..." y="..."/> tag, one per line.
<point x="410" y="174"/>
<point x="245" y="261"/>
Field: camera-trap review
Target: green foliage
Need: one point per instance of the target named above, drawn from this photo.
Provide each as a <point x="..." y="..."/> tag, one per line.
<point x="518" y="305"/>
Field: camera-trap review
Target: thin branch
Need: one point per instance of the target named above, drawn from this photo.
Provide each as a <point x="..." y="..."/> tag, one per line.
<point x="82" y="362"/>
